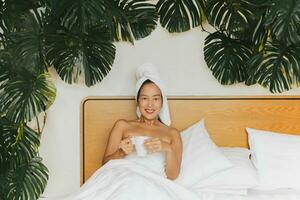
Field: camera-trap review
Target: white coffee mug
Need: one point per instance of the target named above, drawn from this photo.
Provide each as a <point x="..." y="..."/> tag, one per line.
<point x="138" y="141"/>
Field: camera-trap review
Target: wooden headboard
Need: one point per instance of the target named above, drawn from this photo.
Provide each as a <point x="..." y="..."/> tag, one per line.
<point x="226" y="119"/>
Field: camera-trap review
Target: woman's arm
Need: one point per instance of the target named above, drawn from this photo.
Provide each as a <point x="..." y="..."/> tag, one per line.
<point x="118" y="154"/>
<point x="173" y="152"/>
<point x="116" y="147"/>
<point x="173" y="156"/>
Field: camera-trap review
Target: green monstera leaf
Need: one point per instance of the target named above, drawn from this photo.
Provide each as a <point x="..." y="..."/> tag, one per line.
<point x="234" y="17"/>
<point x="77" y="42"/>
<point x="283" y="19"/>
<point x="27" y="181"/>
<point x="11" y="12"/>
<point x="181" y="15"/>
<point x="5" y="65"/>
<point x="28" y="44"/>
<point x="260" y="33"/>
<point x="277" y="67"/>
<point x="92" y="53"/>
<point x="131" y="19"/>
<point x="18" y="143"/>
<point x="23" y="98"/>
<point x="22" y="174"/>
<point x="77" y="14"/>
<point x="226" y="58"/>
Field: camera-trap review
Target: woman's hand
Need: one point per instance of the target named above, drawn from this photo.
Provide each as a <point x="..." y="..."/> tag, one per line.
<point x="126" y="145"/>
<point x="156" y="145"/>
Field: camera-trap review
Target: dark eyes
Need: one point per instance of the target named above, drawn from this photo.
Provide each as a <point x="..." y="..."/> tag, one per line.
<point x="155" y="99"/>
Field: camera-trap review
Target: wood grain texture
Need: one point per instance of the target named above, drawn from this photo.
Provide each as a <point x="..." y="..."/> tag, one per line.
<point x="225" y="117"/>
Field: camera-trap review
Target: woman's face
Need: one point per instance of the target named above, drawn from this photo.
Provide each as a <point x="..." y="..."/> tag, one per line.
<point x="150" y="101"/>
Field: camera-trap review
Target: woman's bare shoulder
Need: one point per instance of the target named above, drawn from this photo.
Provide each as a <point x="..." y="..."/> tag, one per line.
<point x="124" y="122"/>
<point x="121" y="123"/>
<point x="174" y="132"/>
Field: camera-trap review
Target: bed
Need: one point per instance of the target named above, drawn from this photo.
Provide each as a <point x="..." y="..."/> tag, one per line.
<point x="226" y="119"/>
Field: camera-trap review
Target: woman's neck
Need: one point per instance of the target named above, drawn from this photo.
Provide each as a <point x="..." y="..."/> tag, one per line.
<point x="149" y="122"/>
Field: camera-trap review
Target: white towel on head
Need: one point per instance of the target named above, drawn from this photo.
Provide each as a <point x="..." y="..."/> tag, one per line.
<point x="149" y="71"/>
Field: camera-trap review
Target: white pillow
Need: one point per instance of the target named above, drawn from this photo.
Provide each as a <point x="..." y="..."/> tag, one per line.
<point x="201" y="157"/>
<point x="235" y="180"/>
<point x="277" y="159"/>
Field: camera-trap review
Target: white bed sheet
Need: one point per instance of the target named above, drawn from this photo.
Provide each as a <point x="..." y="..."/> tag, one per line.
<point x="255" y="195"/>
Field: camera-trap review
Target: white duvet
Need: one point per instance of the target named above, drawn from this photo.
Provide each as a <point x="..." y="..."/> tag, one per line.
<point x="130" y="180"/>
<point x="143" y="178"/>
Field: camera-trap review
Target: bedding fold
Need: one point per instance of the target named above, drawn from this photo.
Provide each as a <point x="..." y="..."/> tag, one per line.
<point x="126" y="180"/>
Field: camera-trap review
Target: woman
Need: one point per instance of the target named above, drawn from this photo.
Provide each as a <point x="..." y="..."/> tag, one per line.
<point x="162" y="137"/>
<point x="127" y="176"/>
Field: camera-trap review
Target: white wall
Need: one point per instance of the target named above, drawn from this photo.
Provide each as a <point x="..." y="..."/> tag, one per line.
<point x="182" y="67"/>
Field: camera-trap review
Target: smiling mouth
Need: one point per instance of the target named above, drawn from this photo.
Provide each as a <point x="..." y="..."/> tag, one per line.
<point x="149" y="111"/>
